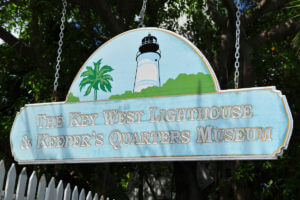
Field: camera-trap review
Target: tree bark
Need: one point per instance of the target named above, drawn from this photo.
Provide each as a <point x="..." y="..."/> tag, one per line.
<point x="141" y="183"/>
<point x="14" y="42"/>
<point x="186" y="181"/>
<point x="240" y="189"/>
<point x="247" y="71"/>
<point x="151" y="188"/>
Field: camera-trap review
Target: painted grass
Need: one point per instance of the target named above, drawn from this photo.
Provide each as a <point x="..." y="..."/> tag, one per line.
<point x="72" y="98"/>
<point x="183" y="84"/>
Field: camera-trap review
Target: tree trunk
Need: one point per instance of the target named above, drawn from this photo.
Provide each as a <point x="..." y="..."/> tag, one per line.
<point x="95" y="95"/>
<point x="222" y="61"/>
<point x="247" y="70"/>
<point x="186" y="181"/>
<point x="240" y="187"/>
<point x="141" y="183"/>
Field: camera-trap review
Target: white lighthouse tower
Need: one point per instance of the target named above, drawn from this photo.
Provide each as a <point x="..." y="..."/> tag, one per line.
<point x="147" y="70"/>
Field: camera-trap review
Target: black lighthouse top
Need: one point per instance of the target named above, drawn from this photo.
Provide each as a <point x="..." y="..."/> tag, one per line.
<point x="149" y="44"/>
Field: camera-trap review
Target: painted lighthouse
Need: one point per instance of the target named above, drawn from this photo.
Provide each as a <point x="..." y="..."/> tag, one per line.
<point x="147" y="69"/>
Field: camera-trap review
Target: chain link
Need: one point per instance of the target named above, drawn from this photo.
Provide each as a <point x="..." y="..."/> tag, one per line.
<point x="142" y="14"/>
<point x="59" y="50"/>
<point x="237" y="46"/>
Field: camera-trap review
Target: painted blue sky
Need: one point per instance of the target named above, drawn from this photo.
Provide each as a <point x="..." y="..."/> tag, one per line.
<point x="120" y="53"/>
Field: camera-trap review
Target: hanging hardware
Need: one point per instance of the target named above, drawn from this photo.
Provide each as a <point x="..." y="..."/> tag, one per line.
<point x="59" y="50"/>
<point x="142" y="14"/>
<point x="237" y="46"/>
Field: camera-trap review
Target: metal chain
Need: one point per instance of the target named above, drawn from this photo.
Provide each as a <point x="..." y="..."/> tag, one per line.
<point x="142" y="14"/>
<point x="59" y="50"/>
<point x="237" y="46"/>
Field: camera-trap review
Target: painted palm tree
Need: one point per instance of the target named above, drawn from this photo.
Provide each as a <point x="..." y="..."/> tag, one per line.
<point x="96" y="78"/>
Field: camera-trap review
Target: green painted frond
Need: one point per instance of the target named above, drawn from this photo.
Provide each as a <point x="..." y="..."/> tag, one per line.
<point x="108" y="87"/>
<point x="88" y="91"/>
<point x="95" y="84"/>
<point x="89" y="72"/>
<point x="84" y="82"/>
<point x="102" y="87"/>
<point x="105" y="69"/>
<point x="107" y="77"/>
<point x="97" y="65"/>
<point x="105" y="85"/>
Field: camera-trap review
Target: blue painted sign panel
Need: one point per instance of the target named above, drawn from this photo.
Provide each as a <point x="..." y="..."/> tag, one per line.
<point x="150" y="95"/>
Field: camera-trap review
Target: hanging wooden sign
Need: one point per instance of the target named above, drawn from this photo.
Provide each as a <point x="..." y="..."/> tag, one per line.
<point x="150" y="95"/>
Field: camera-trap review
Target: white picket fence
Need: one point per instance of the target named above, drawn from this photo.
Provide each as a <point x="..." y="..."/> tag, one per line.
<point x="38" y="190"/>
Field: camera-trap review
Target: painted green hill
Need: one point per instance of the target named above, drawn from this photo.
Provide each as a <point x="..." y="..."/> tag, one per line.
<point x="183" y="84"/>
<point x="72" y="98"/>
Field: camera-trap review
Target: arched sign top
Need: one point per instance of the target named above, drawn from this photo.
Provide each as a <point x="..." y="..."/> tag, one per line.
<point x="144" y="62"/>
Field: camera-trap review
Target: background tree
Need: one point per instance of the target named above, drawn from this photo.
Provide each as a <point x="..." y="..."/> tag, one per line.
<point x="267" y="58"/>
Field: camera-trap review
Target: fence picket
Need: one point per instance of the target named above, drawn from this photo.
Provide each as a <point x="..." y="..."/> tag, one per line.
<point x="89" y="196"/>
<point x="41" y="188"/>
<point x="96" y="197"/>
<point x="50" y="191"/>
<point x="32" y="183"/>
<point x="37" y="190"/>
<point x="82" y="195"/>
<point x="75" y="193"/>
<point x="10" y="183"/>
<point x="2" y="175"/>
<point x="59" y="190"/>
<point x="20" y="193"/>
<point x="67" y="192"/>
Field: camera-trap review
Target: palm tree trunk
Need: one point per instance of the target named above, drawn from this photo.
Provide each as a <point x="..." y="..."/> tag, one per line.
<point x="95" y="95"/>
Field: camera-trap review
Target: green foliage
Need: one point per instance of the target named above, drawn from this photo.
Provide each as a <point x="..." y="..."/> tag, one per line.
<point x="125" y="181"/>
<point x="245" y="172"/>
<point x="296" y="44"/>
<point x="182" y="84"/>
<point x="295" y="6"/>
<point x="195" y="24"/>
<point x="95" y="78"/>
